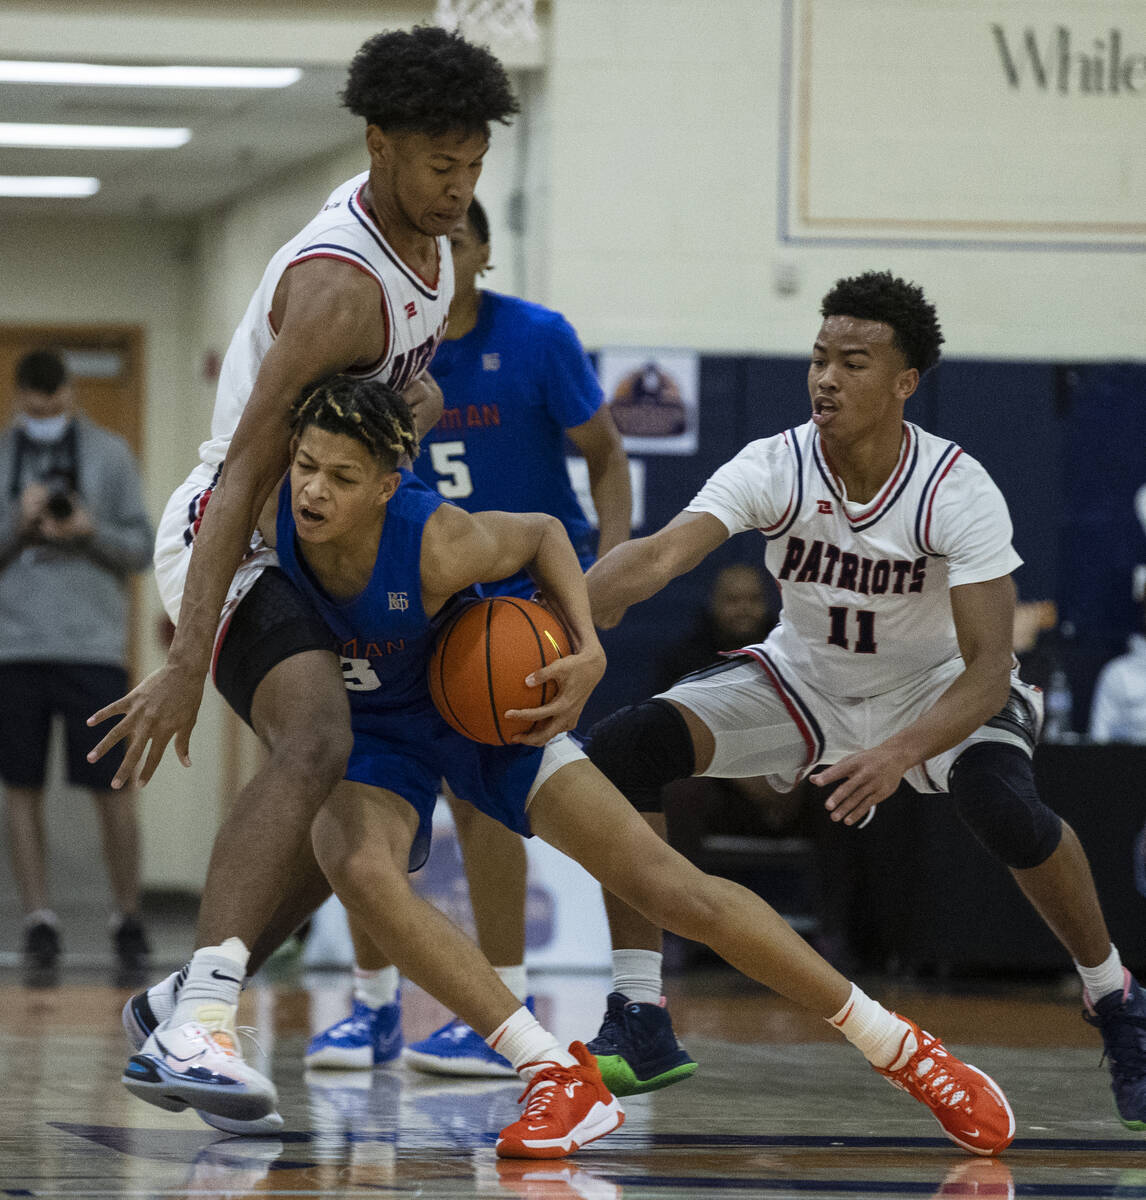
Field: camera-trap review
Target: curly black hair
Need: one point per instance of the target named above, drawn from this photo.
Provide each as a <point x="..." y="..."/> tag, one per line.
<point x="427" y="80"/>
<point x="364" y="409"/>
<point x="881" y="296"/>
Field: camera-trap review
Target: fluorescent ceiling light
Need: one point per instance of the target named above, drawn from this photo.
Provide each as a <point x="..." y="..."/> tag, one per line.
<point x="104" y="75"/>
<point x="47" y="185"/>
<point x="73" y="137"/>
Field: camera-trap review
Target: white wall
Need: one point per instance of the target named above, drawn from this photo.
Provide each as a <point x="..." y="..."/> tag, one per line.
<point x="663" y="183"/>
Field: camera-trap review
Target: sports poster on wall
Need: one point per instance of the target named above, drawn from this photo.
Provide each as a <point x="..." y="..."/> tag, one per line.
<point x="654" y="397"/>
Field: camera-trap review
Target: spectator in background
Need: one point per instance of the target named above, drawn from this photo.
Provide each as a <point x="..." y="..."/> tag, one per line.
<point x="72" y="531"/>
<point x="737" y="613"/>
<point x="1118" y="710"/>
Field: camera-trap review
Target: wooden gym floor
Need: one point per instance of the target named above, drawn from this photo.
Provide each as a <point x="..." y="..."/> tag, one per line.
<point x="780" y="1106"/>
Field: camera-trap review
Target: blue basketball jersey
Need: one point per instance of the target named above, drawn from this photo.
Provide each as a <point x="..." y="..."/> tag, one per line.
<point x="401" y="743"/>
<point x="512" y="386"/>
<point x="385" y="635"/>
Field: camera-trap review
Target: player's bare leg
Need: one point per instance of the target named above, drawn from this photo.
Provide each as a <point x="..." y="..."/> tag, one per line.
<point x="362" y="840"/>
<point x="300" y="714"/>
<point x="580" y="813"/>
<point x="371" y="1035"/>
<point x="1062" y="891"/>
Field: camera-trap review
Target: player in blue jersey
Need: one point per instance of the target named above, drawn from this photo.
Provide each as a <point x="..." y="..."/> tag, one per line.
<point x="516" y="383"/>
<point x="383" y="559"/>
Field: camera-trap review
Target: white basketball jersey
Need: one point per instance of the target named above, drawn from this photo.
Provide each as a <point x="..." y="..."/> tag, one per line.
<point x="865" y="586"/>
<point x="413" y="308"/>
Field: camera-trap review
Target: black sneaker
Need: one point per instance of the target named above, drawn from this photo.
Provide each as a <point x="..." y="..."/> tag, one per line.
<point x="131" y="945"/>
<point x="1121" y="1019"/>
<point x="41" y="945"/>
<point x="636" y="1048"/>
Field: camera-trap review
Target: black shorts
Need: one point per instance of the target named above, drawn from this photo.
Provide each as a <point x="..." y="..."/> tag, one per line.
<point x="31" y="694"/>
<point x="273" y="622"/>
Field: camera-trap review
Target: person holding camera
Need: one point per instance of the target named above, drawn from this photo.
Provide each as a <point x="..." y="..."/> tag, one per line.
<point x="72" y="530"/>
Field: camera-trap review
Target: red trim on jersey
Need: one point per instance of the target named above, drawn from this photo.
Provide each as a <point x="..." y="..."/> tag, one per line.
<point x="219" y="636"/>
<point x="888" y="488"/>
<point x="931" y="500"/>
<point x="805" y="729"/>
<point x="381" y="304"/>
<point x="431" y="284"/>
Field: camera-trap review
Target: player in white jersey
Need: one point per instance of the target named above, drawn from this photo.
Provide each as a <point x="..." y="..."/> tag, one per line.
<point x="892" y="660"/>
<point x="364" y="289"/>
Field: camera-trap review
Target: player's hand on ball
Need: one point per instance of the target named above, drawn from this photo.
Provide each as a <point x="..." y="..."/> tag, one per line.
<point x="163" y="706"/>
<point x="575" y="677"/>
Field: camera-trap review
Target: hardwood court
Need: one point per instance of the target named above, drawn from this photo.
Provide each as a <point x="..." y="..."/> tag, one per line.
<point x="780" y="1107"/>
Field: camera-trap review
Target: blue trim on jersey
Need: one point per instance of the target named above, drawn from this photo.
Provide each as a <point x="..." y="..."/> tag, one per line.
<point x="923" y="499"/>
<point x="898" y="491"/>
<point x="793" y="695"/>
<point x="794" y="442"/>
<point x="316" y="246"/>
<point x="888" y="504"/>
<point x="415" y="280"/>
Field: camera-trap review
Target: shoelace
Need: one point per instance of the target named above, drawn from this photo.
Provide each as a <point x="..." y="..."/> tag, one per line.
<point x="543" y="1085"/>
<point x="1124" y="1042"/>
<point x="936" y="1080"/>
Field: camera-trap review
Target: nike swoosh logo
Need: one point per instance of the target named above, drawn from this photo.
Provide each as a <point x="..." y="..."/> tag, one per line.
<point x="227" y="978"/>
<point x="178" y="1058"/>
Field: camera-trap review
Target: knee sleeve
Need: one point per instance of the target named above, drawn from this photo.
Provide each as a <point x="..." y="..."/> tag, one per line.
<point x="641" y="748"/>
<point x="993" y="787"/>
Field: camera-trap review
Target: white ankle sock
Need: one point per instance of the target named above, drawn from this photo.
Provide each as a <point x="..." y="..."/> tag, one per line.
<point x="376" y="988"/>
<point x="1107" y="977"/>
<point x="527" y="1045"/>
<point x="515" y="979"/>
<point x="214" y="977"/>
<point x="637" y="975"/>
<point x="876" y="1033"/>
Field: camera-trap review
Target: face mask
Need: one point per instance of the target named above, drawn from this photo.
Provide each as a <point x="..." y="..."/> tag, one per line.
<point x="45" y="429"/>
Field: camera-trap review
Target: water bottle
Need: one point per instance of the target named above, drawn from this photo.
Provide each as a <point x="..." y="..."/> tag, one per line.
<point x="1058" y="708"/>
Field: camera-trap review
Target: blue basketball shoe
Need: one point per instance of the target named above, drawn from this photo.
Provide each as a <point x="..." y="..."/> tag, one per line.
<point x="637" y="1049"/>
<point x="1121" y="1019"/>
<point x="365" y="1039"/>
<point x="456" y="1049"/>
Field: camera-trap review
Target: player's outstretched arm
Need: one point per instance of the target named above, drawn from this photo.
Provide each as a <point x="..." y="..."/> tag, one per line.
<point x="984" y="620"/>
<point x="636" y="570"/>
<point x="328" y="320"/>
<point x="459" y="549"/>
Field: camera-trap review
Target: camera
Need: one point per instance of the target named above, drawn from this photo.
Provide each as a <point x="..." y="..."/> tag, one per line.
<point x="59" y="503"/>
<point x="60" y="486"/>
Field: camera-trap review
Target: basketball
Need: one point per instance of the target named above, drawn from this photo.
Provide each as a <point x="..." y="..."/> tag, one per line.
<point x="480" y="662"/>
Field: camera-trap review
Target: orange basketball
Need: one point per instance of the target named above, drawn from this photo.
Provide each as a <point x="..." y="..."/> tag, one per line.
<point x="480" y="662"/>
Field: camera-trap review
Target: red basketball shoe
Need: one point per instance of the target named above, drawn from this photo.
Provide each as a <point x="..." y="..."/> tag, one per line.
<point x="969" y="1105"/>
<point x="567" y="1108"/>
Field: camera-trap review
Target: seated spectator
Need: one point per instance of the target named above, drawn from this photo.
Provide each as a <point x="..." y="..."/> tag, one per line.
<point x="1118" y="710"/>
<point x="737" y="613"/>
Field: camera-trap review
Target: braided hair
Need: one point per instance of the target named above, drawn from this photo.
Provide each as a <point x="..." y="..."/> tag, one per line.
<point x="364" y="409"/>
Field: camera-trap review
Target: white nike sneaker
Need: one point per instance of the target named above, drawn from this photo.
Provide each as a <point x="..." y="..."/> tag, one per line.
<point x="197" y="1066"/>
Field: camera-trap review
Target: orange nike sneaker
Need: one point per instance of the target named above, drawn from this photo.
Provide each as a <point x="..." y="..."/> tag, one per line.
<point x="566" y="1108"/>
<point x="968" y="1104"/>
